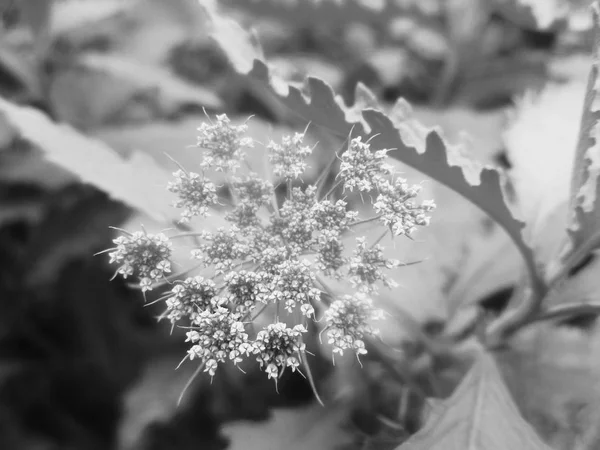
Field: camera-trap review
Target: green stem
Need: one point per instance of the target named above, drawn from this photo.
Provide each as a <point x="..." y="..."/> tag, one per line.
<point x="333" y="188"/>
<point x="363" y="221"/>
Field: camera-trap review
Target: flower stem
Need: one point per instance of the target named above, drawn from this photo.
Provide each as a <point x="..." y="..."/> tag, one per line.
<point x="363" y="221"/>
<point x="337" y="184"/>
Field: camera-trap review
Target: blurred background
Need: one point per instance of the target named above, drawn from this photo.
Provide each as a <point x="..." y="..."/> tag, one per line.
<point x="83" y="365"/>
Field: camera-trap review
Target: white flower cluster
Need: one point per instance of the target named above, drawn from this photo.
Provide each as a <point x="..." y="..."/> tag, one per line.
<point x="349" y="322"/>
<point x="279" y="347"/>
<point x="196" y="194"/>
<point x="223" y="143"/>
<point x="144" y="255"/>
<point x="397" y="209"/>
<point x="289" y="157"/>
<point x="191" y="296"/>
<point x="218" y="336"/>
<point x="277" y="253"/>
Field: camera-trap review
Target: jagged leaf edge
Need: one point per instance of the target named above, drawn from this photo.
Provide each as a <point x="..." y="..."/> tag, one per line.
<point x="485" y="377"/>
<point x="584" y="227"/>
<point x="137" y="181"/>
<point x="321" y="107"/>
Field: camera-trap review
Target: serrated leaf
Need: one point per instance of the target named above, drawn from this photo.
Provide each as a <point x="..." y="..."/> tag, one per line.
<point x="415" y="145"/>
<point x="137" y="181"/>
<point x="584" y="228"/>
<point x="479" y="415"/>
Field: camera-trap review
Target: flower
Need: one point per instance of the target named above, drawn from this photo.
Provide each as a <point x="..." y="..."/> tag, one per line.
<point x="330" y="253"/>
<point x="360" y="168"/>
<point x="333" y="217"/>
<point x="397" y="209"/>
<point x="142" y="254"/>
<point x="366" y="264"/>
<point x="348" y="322"/>
<point x="216" y="337"/>
<point x="253" y="190"/>
<point x="246" y="288"/>
<point x="222" y="250"/>
<point x="293" y="284"/>
<point x="296" y="222"/>
<point x="279" y="347"/>
<point x="223" y="143"/>
<point x="196" y="194"/>
<point x="288" y="158"/>
<point x="191" y="296"/>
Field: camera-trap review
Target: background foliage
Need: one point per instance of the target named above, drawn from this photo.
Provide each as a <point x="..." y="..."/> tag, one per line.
<point x="95" y="92"/>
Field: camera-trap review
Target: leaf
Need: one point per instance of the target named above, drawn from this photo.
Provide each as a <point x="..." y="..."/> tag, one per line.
<point x="75" y="224"/>
<point x="542" y="194"/>
<point x="136" y="181"/>
<point x="415" y="145"/>
<point x="110" y="86"/>
<point x="480" y="415"/>
<point x="584" y="228"/>
<point x="323" y="14"/>
<point x="552" y="373"/>
<point x="296" y="429"/>
<point x="534" y="14"/>
<point x="69" y="15"/>
<point x="170" y="88"/>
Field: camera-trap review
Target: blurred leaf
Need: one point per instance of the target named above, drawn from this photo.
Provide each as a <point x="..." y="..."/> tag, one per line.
<point x="19" y="67"/>
<point x="584" y="228"/>
<point x="109" y="85"/>
<point x="70" y="15"/>
<point x="157" y="27"/>
<point x="173" y="92"/>
<point x="75" y="225"/>
<point x="480" y="415"/>
<point x="297" y="429"/>
<point x="534" y="14"/>
<point x="36" y="13"/>
<point x="136" y="181"/>
<point x="333" y="13"/>
<point x="540" y="193"/>
<point x="552" y="373"/>
<point x="489" y="264"/>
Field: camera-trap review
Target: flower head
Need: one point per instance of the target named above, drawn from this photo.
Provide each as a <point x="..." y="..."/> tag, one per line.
<point x="224" y="144"/>
<point x="247" y="288"/>
<point x="361" y="168"/>
<point x="216" y="337"/>
<point x="348" y="322"/>
<point x="397" y="208"/>
<point x="333" y="217"/>
<point x="288" y="158"/>
<point x="191" y="296"/>
<point x="296" y="221"/>
<point x="365" y="266"/>
<point x="279" y="347"/>
<point x="142" y="254"/>
<point x="330" y="257"/>
<point x="253" y="190"/>
<point x="196" y="194"/>
<point x="295" y="284"/>
<point x="222" y="250"/>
